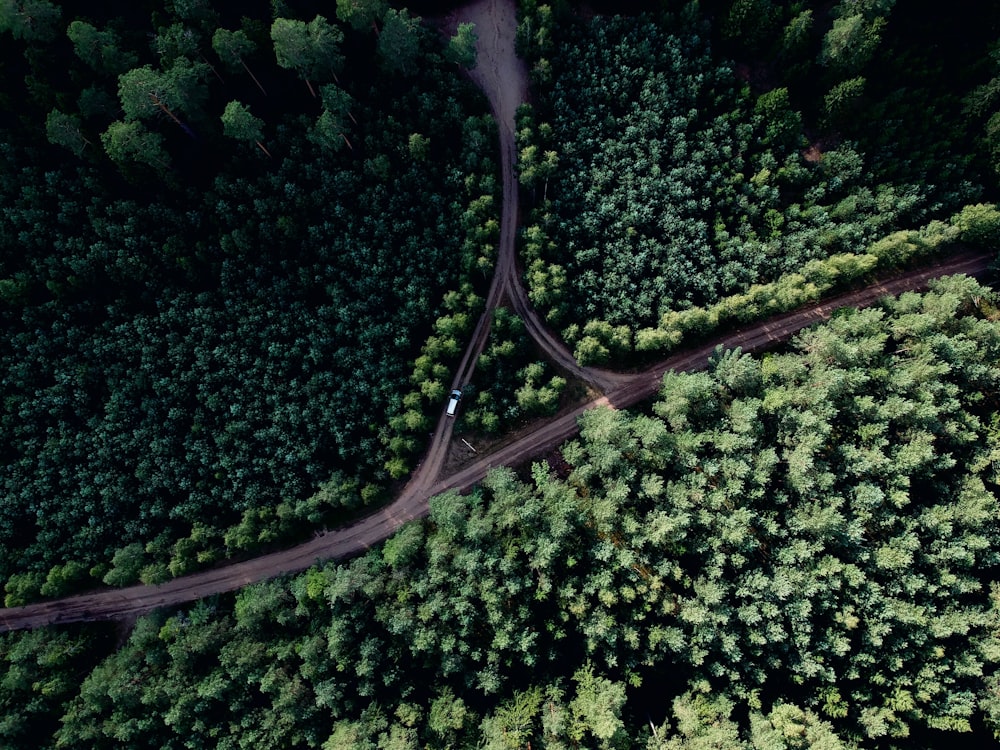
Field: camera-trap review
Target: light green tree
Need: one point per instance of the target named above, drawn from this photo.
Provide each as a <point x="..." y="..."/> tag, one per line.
<point x="461" y="48"/>
<point x="851" y="42"/>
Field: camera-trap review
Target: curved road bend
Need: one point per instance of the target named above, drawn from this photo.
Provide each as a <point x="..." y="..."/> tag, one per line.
<point x="412" y="504"/>
<point x="503" y="77"/>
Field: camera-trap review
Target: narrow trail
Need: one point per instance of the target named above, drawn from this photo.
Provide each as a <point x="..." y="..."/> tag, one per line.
<point x="504" y="79"/>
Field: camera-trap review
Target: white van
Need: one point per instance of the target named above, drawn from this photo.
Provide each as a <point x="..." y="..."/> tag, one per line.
<point x="456" y="396"/>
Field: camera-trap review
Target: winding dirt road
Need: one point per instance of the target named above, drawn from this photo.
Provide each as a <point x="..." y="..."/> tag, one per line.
<point x="503" y="78"/>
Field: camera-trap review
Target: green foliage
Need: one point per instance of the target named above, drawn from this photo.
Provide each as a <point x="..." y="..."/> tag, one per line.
<point x="146" y="92"/>
<point x="311" y="49"/>
<point x="222" y="336"/>
<point x="789" y="552"/>
<point x="101" y="49"/>
<point x="399" y="41"/>
<point x="39" y="673"/>
<point x="66" y="131"/>
<point x="667" y="187"/>
<point x="752" y="21"/>
<point x="842" y="101"/>
<point x="979" y="225"/>
<point x="661" y="184"/>
<point x="126" y="565"/>
<point x="510" y="387"/>
<point x="232" y="47"/>
<point x="239" y="123"/>
<point x="131" y="142"/>
<point x="851" y="43"/>
<point x="461" y="49"/>
<point x="361" y="14"/>
<point x="330" y="130"/>
<point x="22" y="588"/>
<point x="30" y="20"/>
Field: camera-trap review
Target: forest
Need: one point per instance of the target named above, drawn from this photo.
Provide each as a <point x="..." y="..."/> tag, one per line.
<point x="226" y="239"/>
<point x="676" y="160"/>
<point x="789" y="551"/>
<point x="242" y="248"/>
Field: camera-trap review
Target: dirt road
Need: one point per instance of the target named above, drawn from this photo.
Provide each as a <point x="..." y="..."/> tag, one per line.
<point x="503" y="78"/>
<point x="412" y="503"/>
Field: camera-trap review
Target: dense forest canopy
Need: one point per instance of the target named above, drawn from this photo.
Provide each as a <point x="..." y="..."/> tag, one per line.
<point x="225" y="239"/>
<point x="789" y="551"/>
<point x="673" y="160"/>
<point x="240" y="250"/>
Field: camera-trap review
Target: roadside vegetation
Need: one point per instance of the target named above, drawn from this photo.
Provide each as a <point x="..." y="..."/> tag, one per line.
<point x="240" y="252"/>
<point x="795" y="550"/>
<point x="685" y="160"/>
<point x="226" y="240"/>
<point x="512" y="382"/>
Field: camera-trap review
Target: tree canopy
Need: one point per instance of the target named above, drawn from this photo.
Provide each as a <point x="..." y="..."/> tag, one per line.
<point x="790" y="551"/>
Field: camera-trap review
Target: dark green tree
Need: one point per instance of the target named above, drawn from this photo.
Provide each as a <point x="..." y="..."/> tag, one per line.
<point x="30" y="20"/>
<point x="239" y="123"/>
<point x="399" y="42"/>
<point x="311" y="49"/>
<point x="361" y="14"/>
<point x="330" y="130"/>
<point x="66" y="131"/>
<point x="101" y="49"/>
<point x="232" y="47"/>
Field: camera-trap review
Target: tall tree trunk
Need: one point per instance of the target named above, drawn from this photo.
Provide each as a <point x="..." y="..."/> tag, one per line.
<point x="250" y="72"/>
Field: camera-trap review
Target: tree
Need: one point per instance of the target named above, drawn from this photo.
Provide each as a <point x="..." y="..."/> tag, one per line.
<point x="176" y="41"/>
<point x="130" y="141"/>
<point x="361" y="14"/>
<point x="796" y="34"/>
<point x="232" y="47"/>
<point x="330" y="130"/>
<point x="101" y="49"/>
<point x="842" y="101"/>
<point x="704" y="722"/>
<point x="461" y="49"/>
<point x="783" y="125"/>
<point x="596" y="708"/>
<point x="239" y="123"/>
<point x="399" y="42"/>
<point x="30" y="20"/>
<point x="419" y="146"/>
<point x="851" y="42"/>
<point x="127" y="563"/>
<point x="979" y="224"/>
<point x="145" y="92"/>
<point x="64" y="130"/>
<point x="752" y="22"/>
<point x="312" y="49"/>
